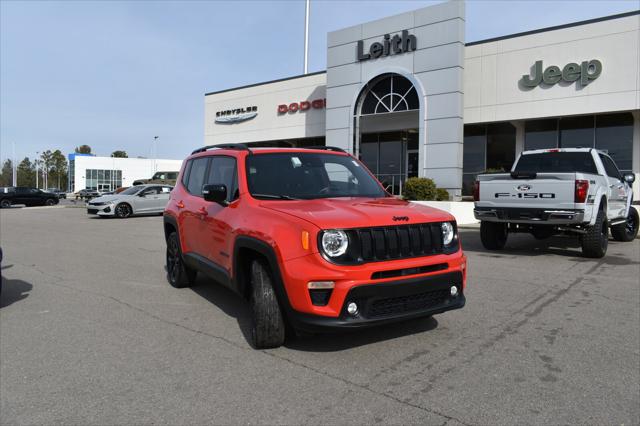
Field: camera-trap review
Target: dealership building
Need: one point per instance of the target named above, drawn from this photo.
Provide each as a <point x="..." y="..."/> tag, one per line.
<point x="88" y="171"/>
<point x="409" y="97"/>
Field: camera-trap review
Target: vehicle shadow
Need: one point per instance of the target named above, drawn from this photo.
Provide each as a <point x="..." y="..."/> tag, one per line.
<point x="13" y="291"/>
<point x="236" y="307"/>
<point x="526" y="245"/>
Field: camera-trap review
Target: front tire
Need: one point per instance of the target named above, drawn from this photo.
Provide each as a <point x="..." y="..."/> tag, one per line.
<point x="123" y="210"/>
<point x="49" y="202"/>
<point x="179" y="275"/>
<point x="267" y="326"/>
<point x="493" y="235"/>
<point x="596" y="240"/>
<point x="628" y="230"/>
<point x="5" y="204"/>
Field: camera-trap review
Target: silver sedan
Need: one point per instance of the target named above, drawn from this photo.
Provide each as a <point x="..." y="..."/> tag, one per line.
<point x="137" y="200"/>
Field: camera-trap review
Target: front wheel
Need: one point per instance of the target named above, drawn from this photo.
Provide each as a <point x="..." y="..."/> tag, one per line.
<point x="179" y="275"/>
<point x="49" y="202"/>
<point x="5" y="204"/>
<point x="493" y="235"/>
<point x="123" y="210"/>
<point x="267" y="325"/>
<point x="596" y="239"/>
<point x="628" y="230"/>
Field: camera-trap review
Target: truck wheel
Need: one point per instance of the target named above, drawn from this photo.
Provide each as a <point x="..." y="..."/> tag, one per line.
<point x="493" y="235"/>
<point x="50" y="202"/>
<point x="267" y="328"/>
<point x="5" y="204"/>
<point x="628" y="230"/>
<point x="179" y="275"/>
<point x="596" y="239"/>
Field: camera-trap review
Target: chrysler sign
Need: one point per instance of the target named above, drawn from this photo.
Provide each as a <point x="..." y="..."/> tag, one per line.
<point x="236" y="115"/>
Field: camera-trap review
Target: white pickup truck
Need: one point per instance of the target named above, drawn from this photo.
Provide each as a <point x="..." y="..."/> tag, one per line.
<point x="572" y="190"/>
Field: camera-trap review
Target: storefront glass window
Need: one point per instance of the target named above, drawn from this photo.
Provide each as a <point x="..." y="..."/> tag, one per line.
<point x="103" y="180"/>
<point x="541" y="134"/>
<point x="501" y="147"/>
<point x="576" y="132"/>
<point x="614" y="135"/>
<point x="390" y="93"/>
<point x="474" y="155"/>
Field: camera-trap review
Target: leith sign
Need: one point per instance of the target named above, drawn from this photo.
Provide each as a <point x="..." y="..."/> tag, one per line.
<point x="585" y="72"/>
<point x="389" y="46"/>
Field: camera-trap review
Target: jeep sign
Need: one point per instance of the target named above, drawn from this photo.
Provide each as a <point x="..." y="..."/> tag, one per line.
<point x="586" y="72"/>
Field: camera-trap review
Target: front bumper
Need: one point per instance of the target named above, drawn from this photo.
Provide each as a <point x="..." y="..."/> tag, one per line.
<point x="529" y="216"/>
<point x="107" y="210"/>
<point x="389" y="302"/>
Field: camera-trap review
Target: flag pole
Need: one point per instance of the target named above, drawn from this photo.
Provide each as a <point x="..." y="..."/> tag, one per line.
<point x="306" y="36"/>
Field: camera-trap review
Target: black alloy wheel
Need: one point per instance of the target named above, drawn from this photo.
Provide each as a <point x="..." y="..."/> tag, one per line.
<point x="123" y="210"/>
<point x="178" y="274"/>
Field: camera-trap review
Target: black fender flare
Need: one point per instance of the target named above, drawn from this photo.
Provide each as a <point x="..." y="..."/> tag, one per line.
<point x="170" y="220"/>
<point x="265" y="250"/>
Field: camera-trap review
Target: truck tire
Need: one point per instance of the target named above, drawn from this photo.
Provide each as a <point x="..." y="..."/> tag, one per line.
<point x="493" y="235"/>
<point x="596" y="239"/>
<point x="179" y="275"/>
<point x="628" y="230"/>
<point x="267" y="325"/>
<point x="5" y="204"/>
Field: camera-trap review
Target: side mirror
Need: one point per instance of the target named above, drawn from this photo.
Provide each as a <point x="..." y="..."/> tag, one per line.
<point x="215" y="193"/>
<point x="629" y="178"/>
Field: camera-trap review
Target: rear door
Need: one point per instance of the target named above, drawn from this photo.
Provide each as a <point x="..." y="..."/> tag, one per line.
<point x="617" y="194"/>
<point x="194" y="238"/>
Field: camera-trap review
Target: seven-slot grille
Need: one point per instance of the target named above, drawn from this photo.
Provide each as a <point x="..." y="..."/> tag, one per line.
<point x="392" y="242"/>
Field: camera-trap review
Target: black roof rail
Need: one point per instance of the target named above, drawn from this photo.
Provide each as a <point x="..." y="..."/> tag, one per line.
<point x="326" y="148"/>
<point x="239" y="146"/>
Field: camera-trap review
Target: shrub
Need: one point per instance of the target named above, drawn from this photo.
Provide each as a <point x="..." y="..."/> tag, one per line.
<point x="442" y="194"/>
<point x="416" y="188"/>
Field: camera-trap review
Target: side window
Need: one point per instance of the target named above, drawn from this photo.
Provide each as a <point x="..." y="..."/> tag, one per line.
<point x="165" y="190"/>
<point x="172" y="175"/>
<point x="185" y="175"/>
<point x="610" y="167"/>
<point x="223" y="171"/>
<point x="151" y="191"/>
<point x="196" y="176"/>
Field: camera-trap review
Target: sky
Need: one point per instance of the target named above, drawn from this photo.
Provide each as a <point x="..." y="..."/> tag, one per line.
<point x="114" y="74"/>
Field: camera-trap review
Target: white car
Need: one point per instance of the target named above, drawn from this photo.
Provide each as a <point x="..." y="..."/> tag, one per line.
<point x="137" y="200"/>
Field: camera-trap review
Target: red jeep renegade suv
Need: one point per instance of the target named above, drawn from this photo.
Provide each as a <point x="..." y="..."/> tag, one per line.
<point x="311" y="239"/>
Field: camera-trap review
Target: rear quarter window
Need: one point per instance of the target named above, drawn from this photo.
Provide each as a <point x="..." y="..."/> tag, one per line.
<point x="196" y="177"/>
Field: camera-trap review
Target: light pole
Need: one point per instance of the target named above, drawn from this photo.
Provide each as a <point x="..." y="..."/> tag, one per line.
<point x="36" y="161"/>
<point x="155" y="153"/>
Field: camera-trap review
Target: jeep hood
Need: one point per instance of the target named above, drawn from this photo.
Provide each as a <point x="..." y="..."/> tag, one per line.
<point x="329" y="213"/>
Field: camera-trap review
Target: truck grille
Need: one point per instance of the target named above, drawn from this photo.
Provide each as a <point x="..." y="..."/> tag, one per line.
<point x="394" y="242"/>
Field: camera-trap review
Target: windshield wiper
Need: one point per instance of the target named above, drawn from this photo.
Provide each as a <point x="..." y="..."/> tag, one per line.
<point x="274" y="196"/>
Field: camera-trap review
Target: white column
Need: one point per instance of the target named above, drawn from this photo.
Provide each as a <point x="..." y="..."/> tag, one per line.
<point x="635" y="154"/>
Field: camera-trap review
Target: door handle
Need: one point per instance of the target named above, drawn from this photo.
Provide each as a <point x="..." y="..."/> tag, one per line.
<point x="180" y="204"/>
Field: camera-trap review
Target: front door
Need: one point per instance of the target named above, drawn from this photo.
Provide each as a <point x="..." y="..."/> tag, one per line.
<point x="412" y="163"/>
<point x="192" y="214"/>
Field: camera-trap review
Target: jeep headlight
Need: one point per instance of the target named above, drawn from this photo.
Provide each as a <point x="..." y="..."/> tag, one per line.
<point x="334" y="243"/>
<point x="448" y="233"/>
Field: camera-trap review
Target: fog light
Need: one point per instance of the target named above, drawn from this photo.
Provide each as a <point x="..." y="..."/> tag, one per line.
<point x="454" y="290"/>
<point x="352" y="309"/>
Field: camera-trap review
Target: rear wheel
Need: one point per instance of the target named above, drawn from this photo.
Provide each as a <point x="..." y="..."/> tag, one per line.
<point x="268" y="327"/>
<point x="596" y="240"/>
<point x="123" y="210"/>
<point x="5" y="204"/>
<point x="493" y="235"/>
<point x="628" y="230"/>
<point x="179" y="275"/>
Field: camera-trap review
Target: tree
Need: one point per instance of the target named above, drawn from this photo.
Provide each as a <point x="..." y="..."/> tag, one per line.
<point x="59" y="168"/>
<point x="83" y="149"/>
<point x="46" y="167"/>
<point x="26" y="173"/>
<point x="119" y="154"/>
<point x="6" y="176"/>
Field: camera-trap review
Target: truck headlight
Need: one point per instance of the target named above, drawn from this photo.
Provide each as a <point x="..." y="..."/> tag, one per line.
<point x="334" y="243"/>
<point x="448" y="233"/>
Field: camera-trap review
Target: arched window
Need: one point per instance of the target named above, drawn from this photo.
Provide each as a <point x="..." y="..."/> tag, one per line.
<point x="389" y="93"/>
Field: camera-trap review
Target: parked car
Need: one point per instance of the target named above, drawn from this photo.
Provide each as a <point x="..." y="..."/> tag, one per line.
<point x="87" y="194"/>
<point x="137" y="200"/>
<point x="168" y="178"/>
<point x="25" y="195"/>
<point x="573" y="190"/>
<point x="311" y="239"/>
<point x="60" y="193"/>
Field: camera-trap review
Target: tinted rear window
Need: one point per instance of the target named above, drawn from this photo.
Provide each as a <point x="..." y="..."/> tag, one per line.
<point x="557" y="162"/>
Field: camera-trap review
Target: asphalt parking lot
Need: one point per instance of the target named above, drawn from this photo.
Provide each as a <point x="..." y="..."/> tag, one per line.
<point x="91" y="333"/>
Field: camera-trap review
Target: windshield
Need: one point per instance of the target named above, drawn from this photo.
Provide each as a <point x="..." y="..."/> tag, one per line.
<point x="296" y="175"/>
<point x="132" y="191"/>
<point x="557" y="162"/>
